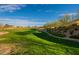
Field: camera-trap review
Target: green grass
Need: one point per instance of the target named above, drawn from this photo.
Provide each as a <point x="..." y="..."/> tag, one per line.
<point x="32" y="42"/>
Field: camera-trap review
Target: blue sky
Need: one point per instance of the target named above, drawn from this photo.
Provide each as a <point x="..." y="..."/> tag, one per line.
<point x="34" y="14"/>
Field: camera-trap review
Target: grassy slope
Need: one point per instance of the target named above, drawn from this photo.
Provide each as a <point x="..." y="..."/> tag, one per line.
<point x="34" y="42"/>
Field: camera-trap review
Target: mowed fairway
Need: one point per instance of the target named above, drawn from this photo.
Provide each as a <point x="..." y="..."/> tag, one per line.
<point x="33" y="42"/>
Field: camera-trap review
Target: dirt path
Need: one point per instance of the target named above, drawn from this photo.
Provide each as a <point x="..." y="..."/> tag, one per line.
<point x="2" y="33"/>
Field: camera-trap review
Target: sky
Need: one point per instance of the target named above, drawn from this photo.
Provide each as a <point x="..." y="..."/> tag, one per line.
<point x="34" y="14"/>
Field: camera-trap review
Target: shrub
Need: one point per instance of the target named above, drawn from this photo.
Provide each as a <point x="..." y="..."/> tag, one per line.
<point x="75" y="36"/>
<point x="57" y="34"/>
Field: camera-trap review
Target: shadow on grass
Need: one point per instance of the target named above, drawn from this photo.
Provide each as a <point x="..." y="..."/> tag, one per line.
<point x="25" y="32"/>
<point x="21" y="33"/>
<point x="57" y="40"/>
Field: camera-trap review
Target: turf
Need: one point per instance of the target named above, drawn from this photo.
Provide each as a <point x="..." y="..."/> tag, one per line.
<point x="33" y="42"/>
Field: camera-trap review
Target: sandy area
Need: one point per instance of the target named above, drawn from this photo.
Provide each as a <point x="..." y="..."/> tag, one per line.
<point x="2" y="33"/>
<point x="6" y="48"/>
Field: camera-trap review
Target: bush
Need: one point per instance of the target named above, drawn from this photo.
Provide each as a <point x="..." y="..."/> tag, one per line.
<point x="75" y="36"/>
<point x="56" y="34"/>
<point x="60" y="35"/>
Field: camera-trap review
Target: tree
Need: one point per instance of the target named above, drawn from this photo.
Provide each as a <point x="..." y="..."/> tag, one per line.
<point x="65" y="20"/>
<point x="77" y="15"/>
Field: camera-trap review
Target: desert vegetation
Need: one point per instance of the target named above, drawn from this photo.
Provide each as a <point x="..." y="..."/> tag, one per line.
<point x="59" y="37"/>
<point x="65" y="26"/>
<point x="18" y="40"/>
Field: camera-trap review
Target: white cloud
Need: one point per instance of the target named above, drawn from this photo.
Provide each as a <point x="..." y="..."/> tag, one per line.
<point x="40" y="10"/>
<point x="68" y="14"/>
<point x="48" y="10"/>
<point x="10" y="7"/>
<point x="20" y="22"/>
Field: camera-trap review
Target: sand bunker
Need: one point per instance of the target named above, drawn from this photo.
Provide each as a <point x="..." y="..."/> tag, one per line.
<point x="2" y="33"/>
<point x="6" y="48"/>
